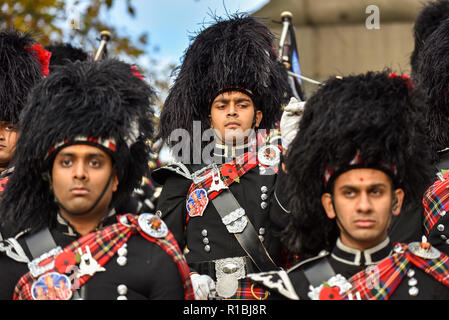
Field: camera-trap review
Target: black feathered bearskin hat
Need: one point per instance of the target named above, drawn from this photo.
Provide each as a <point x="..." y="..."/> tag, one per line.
<point x="104" y="104"/>
<point x="63" y="53"/>
<point x="233" y="54"/>
<point x="361" y="121"/>
<point x="22" y="65"/>
<point x="428" y="20"/>
<point x="433" y="78"/>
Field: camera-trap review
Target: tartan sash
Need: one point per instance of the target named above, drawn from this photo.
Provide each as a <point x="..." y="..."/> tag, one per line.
<point x="241" y="164"/>
<point x="103" y="245"/>
<point x="391" y="271"/>
<point x="435" y="202"/>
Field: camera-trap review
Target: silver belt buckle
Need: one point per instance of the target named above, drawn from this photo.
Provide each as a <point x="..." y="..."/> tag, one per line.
<point x="228" y="272"/>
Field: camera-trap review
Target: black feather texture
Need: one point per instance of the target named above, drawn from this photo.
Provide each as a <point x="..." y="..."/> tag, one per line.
<point x="19" y="72"/>
<point x="428" y="20"/>
<point x="99" y="99"/>
<point x="371" y="113"/>
<point x="236" y="52"/>
<point x="63" y="53"/>
<point x="433" y="78"/>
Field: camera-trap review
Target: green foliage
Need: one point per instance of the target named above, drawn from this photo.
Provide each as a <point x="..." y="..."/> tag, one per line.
<point x="49" y="21"/>
<point x="80" y="21"/>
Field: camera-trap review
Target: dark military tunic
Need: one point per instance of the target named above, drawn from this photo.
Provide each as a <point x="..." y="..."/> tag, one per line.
<point x="4" y="176"/>
<point x="205" y="238"/>
<point x="345" y="261"/>
<point x="436" y="204"/>
<point x="142" y="274"/>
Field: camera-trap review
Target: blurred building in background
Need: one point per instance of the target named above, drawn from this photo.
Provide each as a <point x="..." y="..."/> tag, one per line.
<point x="336" y="37"/>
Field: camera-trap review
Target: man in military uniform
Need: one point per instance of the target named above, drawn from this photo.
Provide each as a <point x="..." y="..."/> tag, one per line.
<point x="81" y="152"/>
<point x="432" y="78"/>
<point x="23" y="63"/>
<point x="220" y="199"/>
<point x="427" y="61"/>
<point x="357" y="178"/>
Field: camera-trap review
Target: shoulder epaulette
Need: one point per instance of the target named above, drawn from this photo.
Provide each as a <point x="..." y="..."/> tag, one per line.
<point x="12" y="248"/>
<point x="277" y="281"/>
<point x="161" y="174"/>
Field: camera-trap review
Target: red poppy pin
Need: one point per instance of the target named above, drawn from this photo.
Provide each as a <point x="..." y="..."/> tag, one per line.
<point x="65" y="261"/>
<point x="330" y="293"/>
<point x="332" y="289"/>
<point x="228" y="170"/>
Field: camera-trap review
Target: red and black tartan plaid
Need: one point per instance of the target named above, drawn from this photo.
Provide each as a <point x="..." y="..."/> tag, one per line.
<point x="249" y="291"/>
<point x="242" y="165"/>
<point x="435" y="202"/>
<point x="3" y="183"/>
<point x="170" y="246"/>
<point x="103" y="245"/>
<point x="391" y="272"/>
<point x="288" y="259"/>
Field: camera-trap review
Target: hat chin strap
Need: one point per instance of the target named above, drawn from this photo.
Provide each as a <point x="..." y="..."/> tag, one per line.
<point x="93" y="205"/>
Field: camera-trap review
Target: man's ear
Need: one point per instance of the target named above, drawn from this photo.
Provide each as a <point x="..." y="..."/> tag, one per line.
<point x="115" y="181"/>
<point x="210" y="121"/>
<point x="398" y="200"/>
<point x="326" y="201"/>
<point x="259" y="116"/>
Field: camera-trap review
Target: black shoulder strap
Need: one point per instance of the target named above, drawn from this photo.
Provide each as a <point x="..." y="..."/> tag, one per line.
<point x="40" y="242"/>
<point x="226" y="205"/>
<point x="319" y="272"/>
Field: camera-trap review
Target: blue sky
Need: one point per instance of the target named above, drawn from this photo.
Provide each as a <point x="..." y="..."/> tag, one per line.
<point x="169" y="23"/>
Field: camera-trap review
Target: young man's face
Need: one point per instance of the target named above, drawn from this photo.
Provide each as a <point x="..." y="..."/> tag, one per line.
<point x="232" y="116"/>
<point x="79" y="175"/>
<point x="364" y="205"/>
<point x="8" y="138"/>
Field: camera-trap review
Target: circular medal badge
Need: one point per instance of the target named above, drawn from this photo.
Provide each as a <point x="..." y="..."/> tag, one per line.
<point x="152" y="225"/>
<point x="428" y="252"/>
<point x="52" y="286"/>
<point x="269" y="155"/>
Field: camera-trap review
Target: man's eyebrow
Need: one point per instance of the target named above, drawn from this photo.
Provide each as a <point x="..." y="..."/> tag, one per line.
<point x="226" y="100"/>
<point x="73" y="154"/>
<point x="352" y="187"/>
<point x="222" y="100"/>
